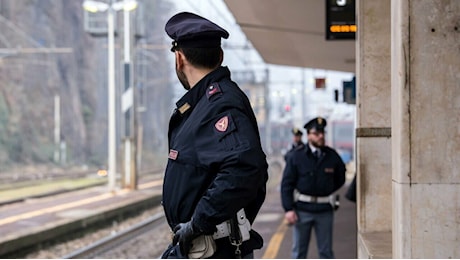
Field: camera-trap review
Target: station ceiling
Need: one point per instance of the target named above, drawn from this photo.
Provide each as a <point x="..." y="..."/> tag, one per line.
<point x="292" y="33"/>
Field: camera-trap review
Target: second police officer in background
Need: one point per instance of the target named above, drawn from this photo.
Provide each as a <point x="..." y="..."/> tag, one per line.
<point x="296" y="141"/>
<point x="215" y="178"/>
<point x="310" y="178"/>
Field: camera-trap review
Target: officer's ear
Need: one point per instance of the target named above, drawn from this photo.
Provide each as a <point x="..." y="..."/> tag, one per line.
<point x="221" y="57"/>
<point x="180" y="59"/>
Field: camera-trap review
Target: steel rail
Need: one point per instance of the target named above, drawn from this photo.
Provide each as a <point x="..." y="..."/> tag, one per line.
<point x="110" y="242"/>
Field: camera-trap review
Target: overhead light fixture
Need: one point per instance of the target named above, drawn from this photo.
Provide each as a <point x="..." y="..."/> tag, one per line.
<point x="126" y="5"/>
<point x="95" y="6"/>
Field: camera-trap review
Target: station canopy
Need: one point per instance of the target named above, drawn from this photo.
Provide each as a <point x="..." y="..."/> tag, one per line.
<point x="292" y="33"/>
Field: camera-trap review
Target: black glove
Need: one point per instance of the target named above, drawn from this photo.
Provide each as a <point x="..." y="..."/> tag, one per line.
<point x="184" y="233"/>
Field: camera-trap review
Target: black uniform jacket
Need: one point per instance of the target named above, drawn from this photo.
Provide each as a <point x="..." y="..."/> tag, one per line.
<point x="311" y="176"/>
<point x="295" y="146"/>
<point x="216" y="165"/>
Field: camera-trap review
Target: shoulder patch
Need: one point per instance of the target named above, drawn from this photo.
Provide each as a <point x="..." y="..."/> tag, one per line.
<point x="222" y="124"/>
<point x="212" y="90"/>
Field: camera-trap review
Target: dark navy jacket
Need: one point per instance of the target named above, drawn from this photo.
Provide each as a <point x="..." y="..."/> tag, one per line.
<point x="216" y="165"/>
<point x="295" y="146"/>
<point x="311" y="176"/>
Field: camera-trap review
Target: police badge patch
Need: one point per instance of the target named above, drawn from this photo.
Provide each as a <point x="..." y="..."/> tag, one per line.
<point x="212" y="90"/>
<point x="329" y="170"/>
<point x="222" y="124"/>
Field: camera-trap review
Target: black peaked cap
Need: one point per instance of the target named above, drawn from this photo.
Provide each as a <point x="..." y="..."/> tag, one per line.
<point x="297" y="131"/>
<point x="193" y="31"/>
<point x="318" y="123"/>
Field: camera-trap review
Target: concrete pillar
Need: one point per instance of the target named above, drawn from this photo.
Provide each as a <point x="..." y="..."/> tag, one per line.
<point x="373" y="133"/>
<point x="425" y="118"/>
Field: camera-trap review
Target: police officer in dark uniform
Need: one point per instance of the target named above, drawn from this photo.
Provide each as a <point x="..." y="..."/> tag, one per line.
<point x="296" y="143"/>
<point x="310" y="178"/>
<point x="215" y="179"/>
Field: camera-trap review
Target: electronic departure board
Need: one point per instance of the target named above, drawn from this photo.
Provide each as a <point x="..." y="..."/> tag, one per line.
<point x="340" y="20"/>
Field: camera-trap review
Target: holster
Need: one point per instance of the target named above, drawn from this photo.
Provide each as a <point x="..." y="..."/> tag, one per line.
<point x="334" y="200"/>
<point x="237" y="230"/>
<point x="203" y="246"/>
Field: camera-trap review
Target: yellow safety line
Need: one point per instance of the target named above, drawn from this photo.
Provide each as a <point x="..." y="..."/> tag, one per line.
<point x="275" y="243"/>
<point x="73" y="204"/>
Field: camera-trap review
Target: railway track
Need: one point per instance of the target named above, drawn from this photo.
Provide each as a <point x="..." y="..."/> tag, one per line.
<point x="113" y="241"/>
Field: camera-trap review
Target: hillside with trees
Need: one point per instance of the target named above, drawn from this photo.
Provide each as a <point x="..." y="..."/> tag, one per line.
<point x="46" y="53"/>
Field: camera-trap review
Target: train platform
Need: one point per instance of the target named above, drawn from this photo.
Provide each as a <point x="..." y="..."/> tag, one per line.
<point x="278" y="235"/>
<point x="17" y="192"/>
<point x="33" y="220"/>
<point x="30" y="221"/>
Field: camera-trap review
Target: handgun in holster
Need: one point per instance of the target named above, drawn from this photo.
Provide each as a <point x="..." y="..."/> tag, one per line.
<point x="334" y="200"/>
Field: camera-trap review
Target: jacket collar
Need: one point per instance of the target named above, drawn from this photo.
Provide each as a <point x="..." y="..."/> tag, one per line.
<point x="189" y="100"/>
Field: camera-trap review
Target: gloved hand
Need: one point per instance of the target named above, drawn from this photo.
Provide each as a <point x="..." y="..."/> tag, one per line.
<point x="184" y="233"/>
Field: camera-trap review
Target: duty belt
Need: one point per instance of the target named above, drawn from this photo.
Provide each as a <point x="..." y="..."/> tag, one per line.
<point x="313" y="199"/>
<point x="223" y="229"/>
<point x="331" y="199"/>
